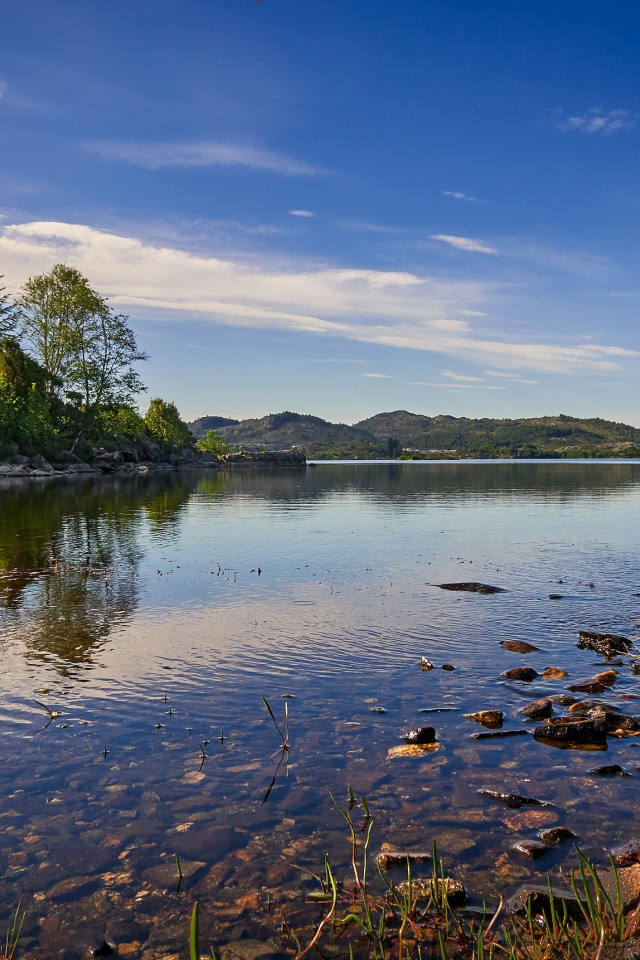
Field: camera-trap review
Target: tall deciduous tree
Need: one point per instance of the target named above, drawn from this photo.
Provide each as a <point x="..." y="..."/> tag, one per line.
<point x="163" y="423"/>
<point x="75" y="335"/>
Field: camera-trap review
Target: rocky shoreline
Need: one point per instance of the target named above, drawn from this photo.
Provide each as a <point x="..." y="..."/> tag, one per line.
<point x="143" y="457"/>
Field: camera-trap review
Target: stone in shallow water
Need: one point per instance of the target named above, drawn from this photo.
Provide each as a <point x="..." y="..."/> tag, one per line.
<point x="626" y="854"/>
<point x="609" y="770"/>
<point x="420" y="736"/>
<point x="425" y="664"/>
<point x="412" y="750"/>
<point x="456" y="893"/>
<point x="394" y="856"/>
<point x="629" y="878"/>
<point x="251" y="950"/>
<point x="518" y="646"/>
<point x="71" y="888"/>
<point x="587" y="686"/>
<point x="488" y="718"/>
<point x="514" y="800"/>
<point x="521" y="673"/>
<point x="569" y="730"/>
<point x="554" y="673"/>
<point x="530" y="849"/>
<point x="472" y="587"/>
<point x="538" y="894"/>
<point x="606" y="644"/>
<point x="608" y="677"/>
<point x="538" y="709"/>
<point x="556" y="835"/>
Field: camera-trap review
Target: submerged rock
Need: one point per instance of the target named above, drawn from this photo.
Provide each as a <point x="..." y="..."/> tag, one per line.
<point x="554" y="673"/>
<point x="472" y="587"/>
<point x="456" y="893"/>
<point x="538" y="709"/>
<point x="530" y="849"/>
<point x="570" y="730"/>
<point x="518" y="646"/>
<point x="587" y="686"/>
<point x="420" y="736"/>
<point x="514" y="800"/>
<point x="555" y="835"/>
<point x="606" y="644"/>
<point x="411" y="750"/>
<point x="562" y="699"/>
<point x="520" y="673"/>
<point x="378" y="710"/>
<point x="499" y="734"/>
<point x="488" y="718"/>
<point x="394" y="857"/>
<point x="609" y="770"/>
<point x="448" y="666"/>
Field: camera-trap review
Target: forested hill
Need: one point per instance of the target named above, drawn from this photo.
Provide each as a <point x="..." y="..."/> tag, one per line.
<point x="414" y="435"/>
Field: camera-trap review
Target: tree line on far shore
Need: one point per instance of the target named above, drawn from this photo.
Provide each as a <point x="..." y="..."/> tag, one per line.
<point x="68" y="377"/>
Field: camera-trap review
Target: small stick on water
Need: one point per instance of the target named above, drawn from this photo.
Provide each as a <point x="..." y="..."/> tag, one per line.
<point x="221" y="737"/>
<point x="179" y="868"/>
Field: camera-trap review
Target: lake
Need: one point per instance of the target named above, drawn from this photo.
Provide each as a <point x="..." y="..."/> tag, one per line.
<point x="144" y="619"/>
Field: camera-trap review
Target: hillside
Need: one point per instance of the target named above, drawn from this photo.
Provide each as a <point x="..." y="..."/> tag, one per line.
<point x="561" y="434"/>
<point x="200" y="426"/>
<point x="416" y="436"/>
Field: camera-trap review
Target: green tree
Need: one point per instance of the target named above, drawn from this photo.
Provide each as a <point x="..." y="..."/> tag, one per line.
<point x="213" y="443"/>
<point x="162" y="422"/>
<point x="26" y="417"/>
<point x="8" y="314"/>
<point x="74" y="334"/>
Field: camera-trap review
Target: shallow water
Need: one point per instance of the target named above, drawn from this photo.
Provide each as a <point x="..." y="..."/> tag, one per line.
<point x="150" y="615"/>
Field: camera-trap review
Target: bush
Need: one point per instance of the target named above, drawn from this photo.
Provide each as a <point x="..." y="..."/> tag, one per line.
<point x="213" y="443"/>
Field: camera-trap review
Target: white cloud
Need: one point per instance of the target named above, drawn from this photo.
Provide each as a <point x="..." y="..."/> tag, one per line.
<point x="595" y="121"/>
<point x="369" y="227"/>
<point x="509" y="376"/>
<point x="155" y="156"/>
<point x="472" y="313"/>
<point x="451" y="386"/>
<point x="463" y="243"/>
<point x="461" y="196"/>
<point x="390" y="308"/>
<point x="301" y="213"/>
<point x="459" y="376"/>
<point x="377" y="376"/>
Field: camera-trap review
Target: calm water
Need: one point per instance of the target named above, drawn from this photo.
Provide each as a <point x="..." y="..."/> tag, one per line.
<point x="150" y="615"/>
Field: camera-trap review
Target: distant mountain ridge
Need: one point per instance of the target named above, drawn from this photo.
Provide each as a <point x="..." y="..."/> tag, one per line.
<point x="400" y="432"/>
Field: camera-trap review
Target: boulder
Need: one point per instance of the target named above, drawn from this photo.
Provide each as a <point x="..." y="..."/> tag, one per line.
<point x="538" y="709"/>
<point x="41" y="465"/>
<point x="147" y="449"/>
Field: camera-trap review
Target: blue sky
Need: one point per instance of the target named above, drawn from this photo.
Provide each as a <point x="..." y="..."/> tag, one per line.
<point x="339" y="208"/>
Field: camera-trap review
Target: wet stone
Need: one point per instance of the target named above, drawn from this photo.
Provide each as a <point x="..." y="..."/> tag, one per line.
<point x="562" y="699"/>
<point x="538" y="709"/>
<point x="608" y="677"/>
<point x="538" y="894"/>
<point x="626" y="854"/>
<point x="488" y="718"/>
<point x="126" y="930"/>
<point x="499" y="734"/>
<point x="555" y="835"/>
<point x="471" y="587"/>
<point x="514" y="800"/>
<point x="569" y="730"/>
<point x="448" y="666"/>
<point x="521" y="673"/>
<point x="251" y="950"/>
<point x="518" y="646"/>
<point x="554" y="673"/>
<point x="71" y="888"/>
<point x="609" y="770"/>
<point x="587" y="686"/>
<point x="394" y="856"/>
<point x="425" y="664"/>
<point x="420" y="736"/>
<point x="378" y="710"/>
<point x="530" y="849"/>
<point x="606" y="644"/>
<point x="629" y="879"/>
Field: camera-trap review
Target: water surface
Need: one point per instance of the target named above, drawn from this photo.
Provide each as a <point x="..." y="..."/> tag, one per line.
<point x="148" y="617"/>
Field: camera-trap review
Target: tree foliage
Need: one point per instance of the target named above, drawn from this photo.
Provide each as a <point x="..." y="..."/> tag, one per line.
<point x="162" y="423"/>
<point x="213" y="443"/>
<point x="26" y="416"/>
<point x="8" y="314"/>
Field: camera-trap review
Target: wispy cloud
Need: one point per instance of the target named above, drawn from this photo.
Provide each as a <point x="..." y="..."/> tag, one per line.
<point x="301" y="213"/>
<point x="462" y="196"/>
<point x="596" y="121"/>
<point x="451" y="386"/>
<point x="377" y="376"/>
<point x="463" y="243"/>
<point x="368" y="227"/>
<point x="509" y="376"/>
<point x="156" y="156"/>
<point x="459" y="376"/>
<point x="390" y="308"/>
